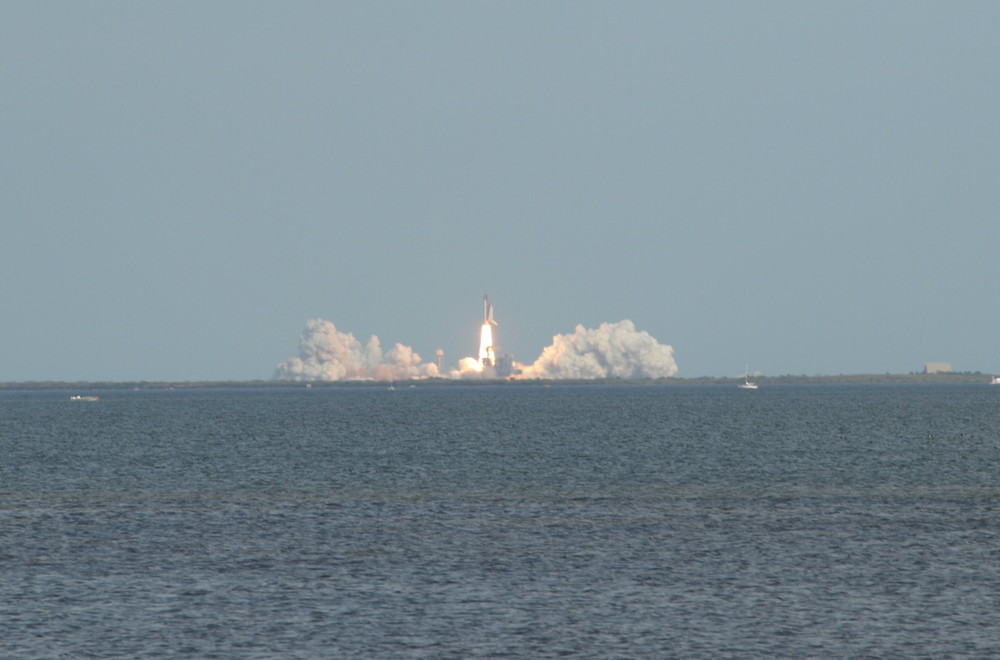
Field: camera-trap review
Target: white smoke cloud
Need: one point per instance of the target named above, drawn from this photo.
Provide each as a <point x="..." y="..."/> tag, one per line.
<point x="470" y="368"/>
<point x="326" y="353"/>
<point x="614" y="350"/>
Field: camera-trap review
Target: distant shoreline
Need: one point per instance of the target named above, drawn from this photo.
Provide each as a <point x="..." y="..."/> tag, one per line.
<point x="887" y="379"/>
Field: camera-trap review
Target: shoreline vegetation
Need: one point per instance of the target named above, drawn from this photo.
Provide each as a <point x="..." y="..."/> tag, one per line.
<point x="949" y="378"/>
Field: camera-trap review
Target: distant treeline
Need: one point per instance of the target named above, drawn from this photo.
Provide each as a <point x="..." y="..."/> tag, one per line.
<point x="941" y="378"/>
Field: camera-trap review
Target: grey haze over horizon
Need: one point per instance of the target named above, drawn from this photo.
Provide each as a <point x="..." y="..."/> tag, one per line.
<point x="807" y="187"/>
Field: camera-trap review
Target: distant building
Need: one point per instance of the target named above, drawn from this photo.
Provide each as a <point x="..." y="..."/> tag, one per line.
<point x="937" y="368"/>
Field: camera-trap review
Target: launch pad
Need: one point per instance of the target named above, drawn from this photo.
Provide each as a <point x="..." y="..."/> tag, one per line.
<point x="503" y="365"/>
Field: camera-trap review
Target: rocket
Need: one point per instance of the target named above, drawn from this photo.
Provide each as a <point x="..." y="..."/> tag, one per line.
<point x="488" y="311"/>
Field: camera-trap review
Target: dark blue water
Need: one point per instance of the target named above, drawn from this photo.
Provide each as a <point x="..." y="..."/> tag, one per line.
<point x="502" y="521"/>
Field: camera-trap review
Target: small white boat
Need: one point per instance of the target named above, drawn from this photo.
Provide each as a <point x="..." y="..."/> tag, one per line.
<point x="995" y="381"/>
<point x="77" y="397"/>
<point x="747" y="384"/>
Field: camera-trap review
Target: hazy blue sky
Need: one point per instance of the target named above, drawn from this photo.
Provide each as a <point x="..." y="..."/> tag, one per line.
<point x="813" y="187"/>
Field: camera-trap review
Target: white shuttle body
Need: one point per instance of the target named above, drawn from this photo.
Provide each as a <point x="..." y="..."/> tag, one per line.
<point x="488" y="311"/>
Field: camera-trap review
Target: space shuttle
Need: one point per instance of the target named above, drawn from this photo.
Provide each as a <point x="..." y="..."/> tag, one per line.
<point x="488" y="311"/>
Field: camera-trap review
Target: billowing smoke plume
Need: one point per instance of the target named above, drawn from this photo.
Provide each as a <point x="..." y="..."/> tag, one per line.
<point x="614" y="350"/>
<point x="325" y="353"/>
<point x="485" y="366"/>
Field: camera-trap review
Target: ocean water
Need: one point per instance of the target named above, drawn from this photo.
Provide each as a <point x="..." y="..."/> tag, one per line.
<point x="499" y="521"/>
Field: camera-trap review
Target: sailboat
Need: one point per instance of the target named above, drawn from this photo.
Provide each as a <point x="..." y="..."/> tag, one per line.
<point x="747" y="384"/>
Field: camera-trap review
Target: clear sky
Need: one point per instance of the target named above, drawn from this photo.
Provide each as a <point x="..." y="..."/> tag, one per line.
<point x="813" y="187"/>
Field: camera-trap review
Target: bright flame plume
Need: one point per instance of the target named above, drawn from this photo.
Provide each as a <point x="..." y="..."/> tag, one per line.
<point x="487" y="357"/>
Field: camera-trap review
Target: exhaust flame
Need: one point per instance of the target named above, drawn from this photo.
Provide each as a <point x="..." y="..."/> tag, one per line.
<point x="487" y="356"/>
<point x="486" y="364"/>
<point x="483" y="366"/>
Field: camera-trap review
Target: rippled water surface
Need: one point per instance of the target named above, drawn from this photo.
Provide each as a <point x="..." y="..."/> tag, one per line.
<point x="501" y="521"/>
